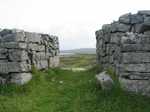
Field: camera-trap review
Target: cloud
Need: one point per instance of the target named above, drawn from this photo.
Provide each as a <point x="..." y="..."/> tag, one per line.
<point x="74" y="21"/>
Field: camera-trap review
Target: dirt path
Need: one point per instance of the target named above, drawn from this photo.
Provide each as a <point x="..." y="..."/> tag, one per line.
<point x="74" y="69"/>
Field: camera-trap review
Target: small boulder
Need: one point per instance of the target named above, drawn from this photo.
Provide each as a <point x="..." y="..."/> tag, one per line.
<point x="2" y="80"/>
<point x="105" y="81"/>
<point x="125" y="19"/>
<point x="119" y="27"/>
<point x="144" y="12"/>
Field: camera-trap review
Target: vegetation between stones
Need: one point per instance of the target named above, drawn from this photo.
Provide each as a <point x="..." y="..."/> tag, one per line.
<point x="58" y="90"/>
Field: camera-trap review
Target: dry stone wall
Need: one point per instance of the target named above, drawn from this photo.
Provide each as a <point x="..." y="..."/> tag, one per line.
<point x="124" y="45"/>
<point x="19" y="50"/>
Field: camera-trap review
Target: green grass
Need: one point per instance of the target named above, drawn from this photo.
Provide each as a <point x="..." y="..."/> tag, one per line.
<point x="66" y="91"/>
<point x="58" y="90"/>
<point x="78" y="60"/>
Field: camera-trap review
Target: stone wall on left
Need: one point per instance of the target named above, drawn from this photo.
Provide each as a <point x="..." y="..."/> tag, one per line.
<point x="19" y="50"/>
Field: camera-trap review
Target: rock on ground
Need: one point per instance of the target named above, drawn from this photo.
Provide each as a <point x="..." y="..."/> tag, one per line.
<point x="105" y="81"/>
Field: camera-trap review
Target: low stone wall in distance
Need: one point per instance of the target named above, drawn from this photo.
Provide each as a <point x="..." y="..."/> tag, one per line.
<point x="19" y="50"/>
<point x="124" y="45"/>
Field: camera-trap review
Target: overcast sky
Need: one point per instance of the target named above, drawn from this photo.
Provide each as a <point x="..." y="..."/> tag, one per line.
<point x="74" y="21"/>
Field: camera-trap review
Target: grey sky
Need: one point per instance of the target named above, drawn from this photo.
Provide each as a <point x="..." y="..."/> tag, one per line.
<point x="74" y="21"/>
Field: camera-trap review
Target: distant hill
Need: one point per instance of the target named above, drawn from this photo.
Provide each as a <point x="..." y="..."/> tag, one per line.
<point x="79" y="51"/>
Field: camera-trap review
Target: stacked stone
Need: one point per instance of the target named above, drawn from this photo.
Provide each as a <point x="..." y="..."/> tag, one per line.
<point x="19" y="50"/>
<point x="125" y="46"/>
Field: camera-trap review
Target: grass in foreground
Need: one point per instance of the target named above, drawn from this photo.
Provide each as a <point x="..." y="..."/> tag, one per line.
<point x="66" y="91"/>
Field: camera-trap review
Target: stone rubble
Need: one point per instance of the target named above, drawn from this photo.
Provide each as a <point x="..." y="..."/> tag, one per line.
<point x="124" y="45"/>
<point x="20" y="50"/>
<point x="105" y="81"/>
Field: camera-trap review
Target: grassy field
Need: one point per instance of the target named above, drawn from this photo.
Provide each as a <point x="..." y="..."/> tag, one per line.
<point x="78" y="60"/>
<point x="58" y="90"/>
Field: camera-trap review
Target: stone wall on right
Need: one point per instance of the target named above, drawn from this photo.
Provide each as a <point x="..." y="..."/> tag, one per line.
<point x="124" y="45"/>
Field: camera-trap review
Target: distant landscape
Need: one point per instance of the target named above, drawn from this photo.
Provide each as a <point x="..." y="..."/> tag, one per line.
<point x="78" y="51"/>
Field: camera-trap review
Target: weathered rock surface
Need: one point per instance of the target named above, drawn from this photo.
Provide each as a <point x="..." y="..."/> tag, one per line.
<point x="19" y="50"/>
<point x="125" y="46"/>
<point x="20" y="78"/>
<point x="138" y="86"/>
<point x="105" y="81"/>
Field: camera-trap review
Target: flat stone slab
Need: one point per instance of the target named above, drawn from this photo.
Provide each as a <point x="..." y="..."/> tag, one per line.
<point x="36" y="47"/>
<point x="13" y="45"/>
<point x="14" y="67"/>
<point x="133" y="57"/>
<point x="135" y="47"/>
<point x="33" y="37"/>
<point x="17" y="55"/>
<point x="138" y="86"/>
<point x="144" y="68"/>
<point x="42" y="64"/>
<point x="144" y="12"/>
<point x="20" y="78"/>
<point x="14" y="37"/>
<point x="135" y="75"/>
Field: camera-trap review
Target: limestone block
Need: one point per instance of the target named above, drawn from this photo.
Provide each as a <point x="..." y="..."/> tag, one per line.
<point x="105" y="81"/>
<point x="116" y="38"/>
<point x="48" y="54"/>
<point x="136" y="19"/>
<point x="33" y="37"/>
<point x="119" y="27"/>
<point x="147" y="33"/>
<point x="13" y="45"/>
<point x="112" y="48"/>
<point x="3" y="53"/>
<point x="145" y="67"/>
<point x="147" y="21"/>
<point x="131" y="19"/>
<point x="106" y="28"/>
<point x="111" y="59"/>
<point x="14" y="37"/>
<point x="42" y="64"/>
<point x="102" y="52"/>
<point x="125" y="18"/>
<point x="11" y="67"/>
<point x="130" y="38"/>
<point x="137" y="28"/>
<point x="36" y="47"/>
<point x="138" y="86"/>
<point x="53" y="61"/>
<point x="135" y="47"/>
<point x="17" y="55"/>
<point x="135" y="75"/>
<point x="46" y="39"/>
<point x="144" y="27"/>
<point x="39" y="56"/>
<point x="144" y="39"/>
<point x="2" y="80"/>
<point x="144" y="12"/>
<point x="134" y="57"/>
<point x="3" y="60"/>
<point x="99" y="34"/>
<point x="57" y="52"/>
<point x="5" y="32"/>
<point x="20" y="78"/>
